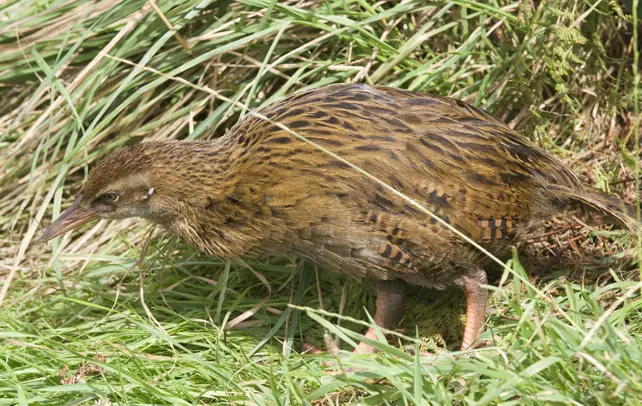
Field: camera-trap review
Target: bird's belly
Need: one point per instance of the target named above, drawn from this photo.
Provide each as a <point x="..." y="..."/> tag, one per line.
<point x="356" y="237"/>
<point x="361" y="253"/>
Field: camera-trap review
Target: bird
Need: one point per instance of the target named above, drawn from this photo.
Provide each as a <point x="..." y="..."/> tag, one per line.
<point x="260" y="191"/>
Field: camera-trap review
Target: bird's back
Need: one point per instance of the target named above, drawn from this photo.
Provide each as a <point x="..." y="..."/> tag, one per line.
<point x="461" y="163"/>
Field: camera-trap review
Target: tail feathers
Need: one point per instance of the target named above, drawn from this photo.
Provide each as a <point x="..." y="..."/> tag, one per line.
<point x="597" y="207"/>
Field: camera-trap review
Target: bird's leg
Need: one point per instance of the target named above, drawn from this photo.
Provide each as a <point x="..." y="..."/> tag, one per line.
<point x="476" y="297"/>
<point x="389" y="308"/>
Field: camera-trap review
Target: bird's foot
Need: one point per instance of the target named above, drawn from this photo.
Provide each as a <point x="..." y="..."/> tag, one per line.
<point x="311" y="349"/>
<point x="333" y="349"/>
<point x="363" y="348"/>
<point x="479" y="344"/>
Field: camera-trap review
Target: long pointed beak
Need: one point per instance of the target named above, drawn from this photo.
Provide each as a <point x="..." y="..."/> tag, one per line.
<point x="69" y="219"/>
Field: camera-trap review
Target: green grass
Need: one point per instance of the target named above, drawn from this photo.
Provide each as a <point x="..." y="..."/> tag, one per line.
<point x="84" y="323"/>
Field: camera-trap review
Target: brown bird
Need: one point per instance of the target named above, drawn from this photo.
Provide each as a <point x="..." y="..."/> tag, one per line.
<point x="261" y="191"/>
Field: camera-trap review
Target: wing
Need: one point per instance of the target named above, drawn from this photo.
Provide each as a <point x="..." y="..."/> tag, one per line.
<point x="461" y="163"/>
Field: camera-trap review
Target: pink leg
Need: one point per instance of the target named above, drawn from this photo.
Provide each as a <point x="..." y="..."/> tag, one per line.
<point x="476" y="297"/>
<point x="390" y="296"/>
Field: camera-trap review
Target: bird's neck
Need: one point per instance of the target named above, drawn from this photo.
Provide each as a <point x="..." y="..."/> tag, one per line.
<point x="196" y="183"/>
<point x="188" y="170"/>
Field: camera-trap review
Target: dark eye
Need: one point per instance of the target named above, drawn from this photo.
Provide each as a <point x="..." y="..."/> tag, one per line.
<point x="109" y="197"/>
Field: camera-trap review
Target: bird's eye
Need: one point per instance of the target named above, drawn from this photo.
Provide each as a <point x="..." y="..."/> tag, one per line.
<point x="110" y="197"/>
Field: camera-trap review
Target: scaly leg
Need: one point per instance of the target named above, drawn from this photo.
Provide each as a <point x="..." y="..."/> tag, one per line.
<point x="389" y="308"/>
<point x="476" y="297"/>
<point x="390" y="296"/>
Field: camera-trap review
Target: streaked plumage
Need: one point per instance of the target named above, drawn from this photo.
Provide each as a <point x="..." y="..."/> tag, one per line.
<point x="260" y="191"/>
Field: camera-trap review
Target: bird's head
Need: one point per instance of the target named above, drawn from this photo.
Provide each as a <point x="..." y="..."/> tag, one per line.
<point x="120" y="186"/>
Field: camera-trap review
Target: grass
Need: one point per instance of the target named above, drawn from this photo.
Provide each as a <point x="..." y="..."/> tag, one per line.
<point x="84" y="321"/>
